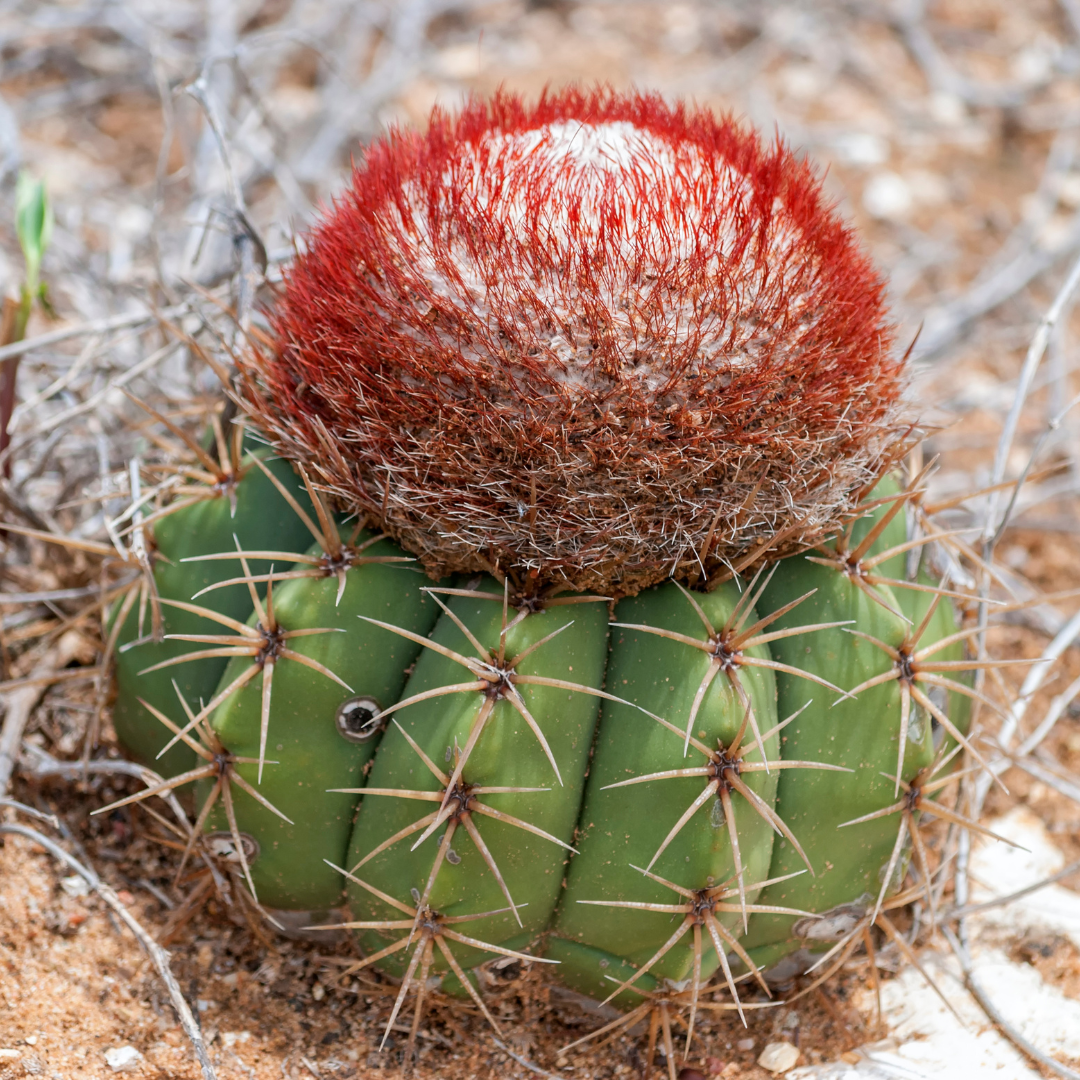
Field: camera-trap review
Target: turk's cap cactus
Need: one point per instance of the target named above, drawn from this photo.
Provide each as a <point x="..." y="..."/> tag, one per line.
<point x="588" y="343"/>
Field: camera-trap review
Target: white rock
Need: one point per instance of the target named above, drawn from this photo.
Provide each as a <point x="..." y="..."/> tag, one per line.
<point x="861" y="148"/>
<point x="887" y="196"/>
<point x="122" y="1058"/>
<point x="1004" y="869"/>
<point x="927" y="1040"/>
<point x="75" y="885"/>
<point x="778" y="1057"/>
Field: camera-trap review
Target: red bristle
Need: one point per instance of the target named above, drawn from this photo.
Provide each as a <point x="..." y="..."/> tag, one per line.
<point x="567" y="340"/>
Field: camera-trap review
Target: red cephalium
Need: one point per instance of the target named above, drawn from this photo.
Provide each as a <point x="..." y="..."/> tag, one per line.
<point x="590" y="342"/>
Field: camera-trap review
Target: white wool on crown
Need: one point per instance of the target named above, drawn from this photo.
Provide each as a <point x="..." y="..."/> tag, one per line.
<point x="586" y="188"/>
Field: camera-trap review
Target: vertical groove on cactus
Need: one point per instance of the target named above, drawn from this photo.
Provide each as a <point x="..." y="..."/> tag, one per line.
<point x="337" y="583"/>
<point x="699" y="911"/>
<point x="509" y="734"/>
<point x="265" y="644"/>
<point x="210" y="510"/>
<point x="916" y="798"/>
<point x="457" y="804"/>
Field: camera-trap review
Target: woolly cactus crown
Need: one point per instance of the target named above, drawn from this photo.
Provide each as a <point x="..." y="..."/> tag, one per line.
<point x="589" y="343"/>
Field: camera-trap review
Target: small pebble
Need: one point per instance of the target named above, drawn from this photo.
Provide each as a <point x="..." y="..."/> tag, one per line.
<point x="778" y="1057"/>
<point x="122" y="1058"/>
<point x="75" y="885"/>
<point x="745" y="1044"/>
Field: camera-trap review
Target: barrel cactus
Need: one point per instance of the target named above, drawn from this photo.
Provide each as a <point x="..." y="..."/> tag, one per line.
<point x="560" y="598"/>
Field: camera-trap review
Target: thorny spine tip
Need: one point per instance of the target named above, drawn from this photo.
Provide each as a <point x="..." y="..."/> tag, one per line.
<point x="855" y="563"/>
<point x="220" y="766"/>
<point x="495" y="679"/>
<point x="723" y="775"/>
<point x="699" y="909"/>
<point x="914" y="667"/>
<point x="457" y="805"/>
<point x="266" y="643"/>
<point x="727" y="649"/>
<point x="833" y="960"/>
<point x="431" y="929"/>
<point x="661" y="1007"/>
<point x="190" y="484"/>
<point x="916" y="798"/>
<point x="337" y="559"/>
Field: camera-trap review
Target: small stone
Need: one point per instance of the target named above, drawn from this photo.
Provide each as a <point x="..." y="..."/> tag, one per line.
<point x="8" y="1054"/>
<point x="888" y="196"/>
<point x="122" y="1058"/>
<point x="318" y="992"/>
<point x="32" y="1065"/>
<point x="778" y="1057"/>
<point x="745" y="1044"/>
<point x="75" y="885"/>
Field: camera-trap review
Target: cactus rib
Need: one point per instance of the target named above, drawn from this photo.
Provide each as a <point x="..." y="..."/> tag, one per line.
<point x="265" y="643"/>
<point x="238" y="502"/>
<point x="911" y="666"/>
<point x="221" y="767"/>
<point x="728" y="650"/>
<point x="725" y="764"/>
<point x="495" y="678"/>
<point x="699" y="910"/>
<point x="433" y="929"/>
<point x="457" y="805"/>
<point x="916" y="798"/>
<point x="336" y="558"/>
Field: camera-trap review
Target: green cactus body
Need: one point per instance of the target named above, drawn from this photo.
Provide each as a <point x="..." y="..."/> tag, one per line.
<point x="627" y="829"/>
<point x="461" y="821"/>
<point x="597" y="973"/>
<point x="305" y="737"/>
<point x="446" y="871"/>
<point x="205" y="527"/>
<point x="859" y="734"/>
<point x="764" y="749"/>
